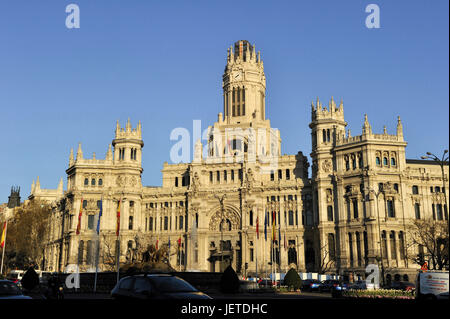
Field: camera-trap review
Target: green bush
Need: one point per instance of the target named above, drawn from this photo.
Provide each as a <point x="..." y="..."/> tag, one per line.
<point x="292" y="279"/>
<point x="229" y="282"/>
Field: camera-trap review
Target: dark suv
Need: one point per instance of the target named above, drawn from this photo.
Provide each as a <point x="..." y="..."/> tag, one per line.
<point x="155" y="286"/>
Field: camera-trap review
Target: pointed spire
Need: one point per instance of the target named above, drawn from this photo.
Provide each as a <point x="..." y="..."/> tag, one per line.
<point x="117" y="128"/>
<point x="38" y="185"/>
<point x="399" y="128"/>
<point x="60" y="188"/>
<point x="341" y="105"/>
<point x="109" y="153"/>
<point x="332" y="105"/>
<point x="32" y="187"/>
<point x="79" y="152"/>
<point x="384" y="130"/>
<point x="128" y="126"/>
<point x="253" y="53"/>
<point x="349" y="133"/>
<point x="71" y="157"/>
<point x="366" y="127"/>
<point x="93" y="155"/>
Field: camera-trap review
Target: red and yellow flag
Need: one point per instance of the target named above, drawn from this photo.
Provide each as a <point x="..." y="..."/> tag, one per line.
<point x="118" y="219"/>
<point x="79" y="217"/>
<point x="2" y="242"/>
<point x="257" y="227"/>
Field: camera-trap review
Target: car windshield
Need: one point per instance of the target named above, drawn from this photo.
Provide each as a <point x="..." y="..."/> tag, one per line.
<point x="171" y="284"/>
<point x="9" y="289"/>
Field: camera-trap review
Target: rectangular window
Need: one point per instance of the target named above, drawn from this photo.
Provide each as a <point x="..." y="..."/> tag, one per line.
<point x="225" y="176"/>
<point x="272" y="175"/>
<point x="130" y="223"/>
<point x="330" y="213"/>
<point x="232" y="174"/>
<point x="210" y="177"/>
<point x="433" y="208"/>
<point x="288" y="174"/>
<point x="280" y="174"/>
<point x="417" y="210"/>
<point x="90" y="221"/>
<point x="439" y="212"/>
<point x="390" y="208"/>
<point x="150" y="224"/>
<point x="166" y="223"/>
<point x="355" y="209"/>
<point x="291" y="218"/>
<point x="218" y="176"/>
<point x="251" y="254"/>
<point x="415" y="190"/>
<point x="181" y="226"/>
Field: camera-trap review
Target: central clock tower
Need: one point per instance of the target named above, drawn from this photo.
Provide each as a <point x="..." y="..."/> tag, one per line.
<point x="244" y="85"/>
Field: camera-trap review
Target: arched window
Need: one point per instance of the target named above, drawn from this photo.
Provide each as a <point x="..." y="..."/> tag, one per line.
<point x="100" y="182"/>
<point x="378" y="161"/>
<point x="385" y="161"/>
<point x="392" y="161"/>
<point x="86" y="182"/>
<point x="330" y="213"/>
<point x="93" y="182"/>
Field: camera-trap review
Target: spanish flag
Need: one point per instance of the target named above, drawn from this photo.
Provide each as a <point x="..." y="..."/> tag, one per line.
<point x="2" y="242"/>
<point x="118" y="219"/>
<point x="257" y="227"/>
<point x="79" y="217"/>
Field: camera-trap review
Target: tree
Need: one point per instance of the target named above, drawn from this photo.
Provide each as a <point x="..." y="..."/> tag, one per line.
<point x="327" y="261"/>
<point x="229" y="282"/>
<point x="292" y="279"/>
<point x="430" y="242"/>
<point x="27" y="231"/>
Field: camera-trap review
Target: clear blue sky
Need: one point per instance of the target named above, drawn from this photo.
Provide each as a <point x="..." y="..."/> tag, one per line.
<point x="161" y="62"/>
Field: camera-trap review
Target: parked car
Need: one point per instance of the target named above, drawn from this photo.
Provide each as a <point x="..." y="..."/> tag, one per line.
<point x="155" y="286"/>
<point x="10" y="290"/>
<point x="327" y="285"/>
<point x="432" y="285"/>
<point x="310" y="285"/>
<point x="336" y="290"/>
<point x="402" y="285"/>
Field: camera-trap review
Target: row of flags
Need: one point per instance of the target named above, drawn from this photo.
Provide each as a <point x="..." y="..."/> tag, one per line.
<point x="266" y="225"/>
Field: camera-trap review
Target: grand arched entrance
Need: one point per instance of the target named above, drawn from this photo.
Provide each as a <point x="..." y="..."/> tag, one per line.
<point x="225" y="241"/>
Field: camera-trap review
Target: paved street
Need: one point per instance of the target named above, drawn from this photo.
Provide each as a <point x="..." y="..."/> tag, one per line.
<point x="283" y="295"/>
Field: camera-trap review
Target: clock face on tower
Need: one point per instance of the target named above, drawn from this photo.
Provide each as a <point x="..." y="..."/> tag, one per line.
<point x="237" y="75"/>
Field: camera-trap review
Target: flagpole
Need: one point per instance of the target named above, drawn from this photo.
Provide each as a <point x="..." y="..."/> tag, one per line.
<point x="256" y="246"/>
<point x="4" y="246"/>
<point x="97" y="257"/>
<point x="118" y="241"/>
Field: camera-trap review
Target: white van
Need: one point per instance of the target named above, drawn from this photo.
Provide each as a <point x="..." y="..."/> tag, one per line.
<point x="432" y="285"/>
<point x="15" y="275"/>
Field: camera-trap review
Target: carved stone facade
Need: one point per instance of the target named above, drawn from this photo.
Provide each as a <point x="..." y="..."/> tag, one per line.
<point x="331" y="213"/>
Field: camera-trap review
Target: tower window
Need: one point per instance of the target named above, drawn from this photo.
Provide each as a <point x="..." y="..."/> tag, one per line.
<point x="385" y="161"/>
<point x="93" y="182"/>
<point x="100" y="182"/>
<point x="378" y="161"/>
<point x="86" y="182"/>
<point x="415" y="190"/>
<point x="288" y="174"/>
<point x="393" y="161"/>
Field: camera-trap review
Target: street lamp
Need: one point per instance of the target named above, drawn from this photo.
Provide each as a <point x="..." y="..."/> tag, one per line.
<point x="221" y="199"/>
<point x="441" y="162"/>
<point x="377" y="194"/>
